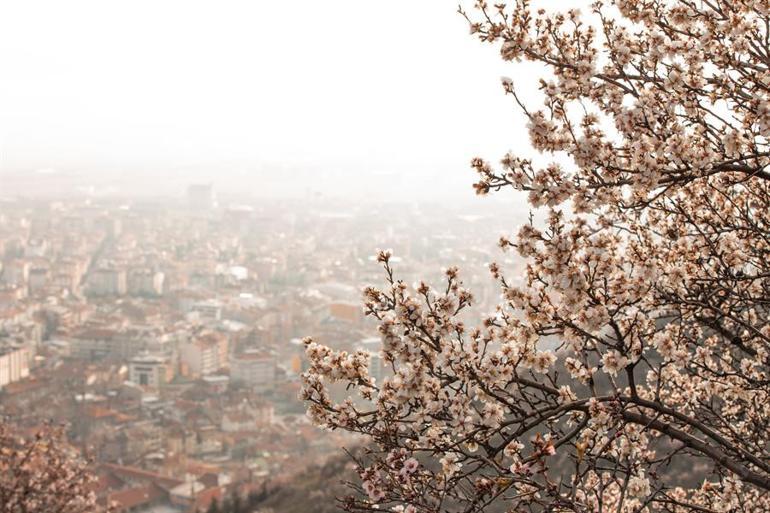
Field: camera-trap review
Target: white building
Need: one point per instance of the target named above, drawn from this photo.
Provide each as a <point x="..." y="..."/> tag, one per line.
<point x="148" y="370"/>
<point x="373" y="345"/>
<point x="203" y="355"/>
<point x="15" y="273"/>
<point x="38" y="279"/>
<point x="253" y="368"/>
<point x="98" y="343"/>
<point x="209" y="310"/>
<point x="14" y="364"/>
<point x="36" y="248"/>
<point x="145" y="282"/>
<point x="107" y="282"/>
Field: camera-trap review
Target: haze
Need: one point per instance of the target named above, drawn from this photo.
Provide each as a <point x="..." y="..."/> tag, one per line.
<point x="229" y="91"/>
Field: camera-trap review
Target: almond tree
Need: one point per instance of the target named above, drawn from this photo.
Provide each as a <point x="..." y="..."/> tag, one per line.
<point x="651" y="274"/>
<point x="42" y="474"/>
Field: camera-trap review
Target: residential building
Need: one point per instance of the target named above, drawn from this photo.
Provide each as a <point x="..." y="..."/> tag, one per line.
<point x="107" y="282"/>
<point x="203" y="354"/>
<point x="14" y="364"/>
<point x="253" y="368"/>
<point x="149" y="370"/>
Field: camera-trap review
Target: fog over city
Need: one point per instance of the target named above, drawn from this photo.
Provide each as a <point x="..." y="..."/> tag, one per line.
<point x="366" y="256"/>
<point x="187" y="189"/>
<point x="265" y="98"/>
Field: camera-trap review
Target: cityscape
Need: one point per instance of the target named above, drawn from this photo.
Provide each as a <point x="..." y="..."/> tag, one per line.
<point x="385" y="257"/>
<point x="167" y="334"/>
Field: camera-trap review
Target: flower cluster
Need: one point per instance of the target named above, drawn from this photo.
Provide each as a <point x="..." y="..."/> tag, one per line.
<point x="43" y="473"/>
<point x="637" y="340"/>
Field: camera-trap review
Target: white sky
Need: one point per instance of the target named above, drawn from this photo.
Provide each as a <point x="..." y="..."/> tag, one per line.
<point x="353" y="84"/>
<point x="169" y="81"/>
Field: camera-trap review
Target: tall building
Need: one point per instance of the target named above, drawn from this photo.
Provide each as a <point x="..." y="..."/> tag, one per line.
<point x="209" y="310"/>
<point x="14" y="364"/>
<point x="204" y="354"/>
<point x="145" y="282"/>
<point x="107" y="282"/>
<point x="16" y="273"/>
<point x="253" y="368"/>
<point x="38" y="279"/>
<point x="149" y="370"/>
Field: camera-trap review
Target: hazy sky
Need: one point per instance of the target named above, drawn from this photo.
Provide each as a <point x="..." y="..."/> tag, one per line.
<point x="359" y="84"/>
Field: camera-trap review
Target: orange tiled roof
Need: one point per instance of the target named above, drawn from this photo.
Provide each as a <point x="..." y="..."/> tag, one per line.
<point x="132" y="497"/>
<point x="205" y="497"/>
<point x="138" y="474"/>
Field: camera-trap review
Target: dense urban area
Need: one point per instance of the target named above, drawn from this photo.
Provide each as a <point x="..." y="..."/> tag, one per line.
<point x="166" y="335"/>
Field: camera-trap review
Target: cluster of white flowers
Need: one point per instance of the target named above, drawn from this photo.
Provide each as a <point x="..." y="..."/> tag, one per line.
<point x="652" y="284"/>
<point x="613" y="361"/>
